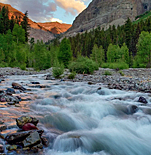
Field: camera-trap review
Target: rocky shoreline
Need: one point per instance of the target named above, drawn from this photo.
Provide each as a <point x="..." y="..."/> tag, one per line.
<point x="136" y="79"/>
<point x="129" y="79"/>
<point x="28" y="136"/>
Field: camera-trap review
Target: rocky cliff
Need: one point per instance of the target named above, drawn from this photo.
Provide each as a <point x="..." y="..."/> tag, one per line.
<point x="55" y="27"/>
<point x="108" y="12"/>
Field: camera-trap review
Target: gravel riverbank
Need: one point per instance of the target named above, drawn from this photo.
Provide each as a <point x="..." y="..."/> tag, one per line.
<point x="138" y="79"/>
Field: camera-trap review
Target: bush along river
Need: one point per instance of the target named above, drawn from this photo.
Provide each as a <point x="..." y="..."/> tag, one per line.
<point x="53" y="117"/>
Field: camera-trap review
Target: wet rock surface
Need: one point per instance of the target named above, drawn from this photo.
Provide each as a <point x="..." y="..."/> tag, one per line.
<point x="21" y="121"/>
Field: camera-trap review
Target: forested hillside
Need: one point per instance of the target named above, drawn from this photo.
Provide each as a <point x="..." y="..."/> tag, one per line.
<point x="122" y="47"/>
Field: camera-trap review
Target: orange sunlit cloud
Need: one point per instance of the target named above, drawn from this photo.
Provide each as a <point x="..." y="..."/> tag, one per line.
<point x="71" y="5"/>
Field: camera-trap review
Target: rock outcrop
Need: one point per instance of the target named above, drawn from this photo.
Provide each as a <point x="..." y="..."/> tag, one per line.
<point x="108" y="12"/>
<point x="55" y="27"/>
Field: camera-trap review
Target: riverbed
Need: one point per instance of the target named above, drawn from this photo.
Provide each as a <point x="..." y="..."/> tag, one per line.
<point x="82" y="119"/>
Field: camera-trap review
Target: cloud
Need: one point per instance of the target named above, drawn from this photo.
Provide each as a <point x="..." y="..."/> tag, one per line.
<point x="55" y="20"/>
<point x="71" y="6"/>
<point x="39" y="10"/>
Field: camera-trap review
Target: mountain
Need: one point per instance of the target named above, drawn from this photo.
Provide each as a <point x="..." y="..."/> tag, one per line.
<point x="108" y="12"/>
<point x="55" y="27"/>
<point x="39" y="30"/>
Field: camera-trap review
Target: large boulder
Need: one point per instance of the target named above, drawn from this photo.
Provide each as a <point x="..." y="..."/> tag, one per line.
<point x="32" y="139"/>
<point x="15" y="138"/>
<point x="21" y="121"/>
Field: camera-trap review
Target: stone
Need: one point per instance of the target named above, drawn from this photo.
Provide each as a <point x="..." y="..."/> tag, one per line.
<point x="1" y="122"/>
<point x="1" y="148"/>
<point x="11" y="103"/>
<point x="9" y="98"/>
<point x="38" y="146"/>
<point x="48" y="77"/>
<point x="32" y="139"/>
<point x="99" y="88"/>
<point x="44" y="141"/>
<point x="91" y="83"/>
<point x="3" y="127"/>
<point x="142" y="100"/>
<point x="11" y="147"/>
<point x="2" y="99"/>
<point x="14" y="138"/>
<point x="26" y="148"/>
<point x="10" y="91"/>
<point x="18" y="86"/>
<point x="21" y="121"/>
<point x="35" y="83"/>
<point x="132" y="109"/>
<point x="29" y="126"/>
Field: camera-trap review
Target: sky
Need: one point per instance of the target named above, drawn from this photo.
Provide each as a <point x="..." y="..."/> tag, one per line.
<point x="63" y="11"/>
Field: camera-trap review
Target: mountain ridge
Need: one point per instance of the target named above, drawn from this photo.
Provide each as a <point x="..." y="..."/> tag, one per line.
<point x="55" y="28"/>
<point x="104" y="13"/>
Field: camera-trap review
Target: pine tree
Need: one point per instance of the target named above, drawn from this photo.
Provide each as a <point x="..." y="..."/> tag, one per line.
<point x="25" y="25"/>
<point x="128" y="32"/>
<point x="4" y="20"/>
<point x="12" y="23"/>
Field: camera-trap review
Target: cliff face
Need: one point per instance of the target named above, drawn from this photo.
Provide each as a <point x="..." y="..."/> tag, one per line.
<point x="55" y="27"/>
<point x="108" y="12"/>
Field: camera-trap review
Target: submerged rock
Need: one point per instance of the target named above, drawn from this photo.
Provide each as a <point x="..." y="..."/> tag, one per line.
<point x="132" y="109"/>
<point x="1" y="148"/>
<point x="21" y="121"/>
<point x="35" y="82"/>
<point x="142" y="100"/>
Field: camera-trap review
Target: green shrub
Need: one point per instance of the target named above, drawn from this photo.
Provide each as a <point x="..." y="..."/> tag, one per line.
<point x="117" y="65"/>
<point x="3" y="64"/>
<point x="121" y="73"/>
<point x="58" y="70"/>
<point x="107" y="73"/>
<point x="72" y="75"/>
<point x="83" y="65"/>
<point x="23" y="66"/>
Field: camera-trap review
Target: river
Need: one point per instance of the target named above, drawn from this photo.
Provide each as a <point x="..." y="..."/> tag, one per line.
<point x="82" y="119"/>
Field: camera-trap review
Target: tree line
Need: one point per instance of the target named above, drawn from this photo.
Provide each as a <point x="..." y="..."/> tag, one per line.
<point x="121" y="47"/>
<point x="113" y="38"/>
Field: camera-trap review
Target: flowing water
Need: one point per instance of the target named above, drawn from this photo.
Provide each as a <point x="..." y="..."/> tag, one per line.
<point x="80" y="119"/>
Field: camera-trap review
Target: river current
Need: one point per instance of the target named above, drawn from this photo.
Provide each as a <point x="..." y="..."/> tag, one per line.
<point x="82" y="119"/>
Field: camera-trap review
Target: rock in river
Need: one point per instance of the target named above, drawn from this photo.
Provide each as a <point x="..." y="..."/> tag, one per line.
<point x="142" y="100"/>
<point x="21" y="121"/>
<point x="32" y="139"/>
<point x="18" y="86"/>
<point x="29" y="126"/>
<point x="14" y="138"/>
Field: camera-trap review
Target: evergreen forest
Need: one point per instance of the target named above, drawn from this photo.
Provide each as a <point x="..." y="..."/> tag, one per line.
<point x="118" y="48"/>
